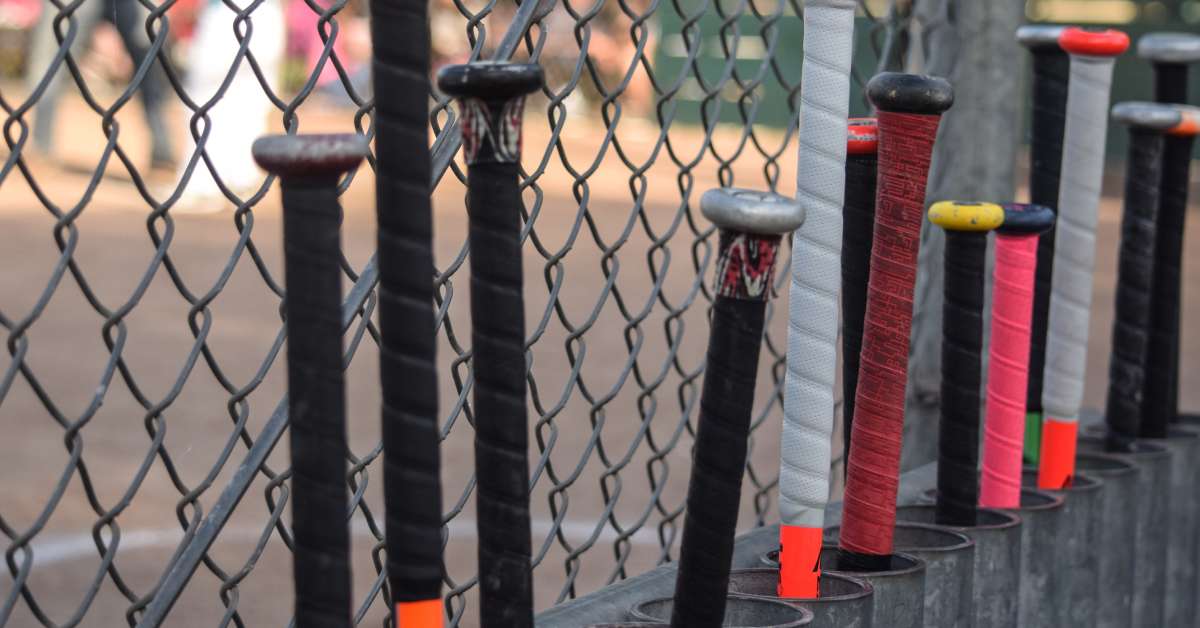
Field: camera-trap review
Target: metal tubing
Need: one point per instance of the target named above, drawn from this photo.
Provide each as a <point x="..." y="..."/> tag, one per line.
<point x="740" y="610"/>
<point x="1191" y="421"/>
<point x="899" y="591"/>
<point x="1111" y="579"/>
<point x="1150" y="540"/>
<point x="997" y="561"/>
<point x="1182" y="519"/>
<point x="899" y="599"/>
<point x="842" y="602"/>
<point x="949" y="558"/>
<point x="1042" y="581"/>
<point x="1074" y="603"/>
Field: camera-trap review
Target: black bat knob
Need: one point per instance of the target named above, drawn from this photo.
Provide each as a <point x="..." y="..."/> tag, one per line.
<point x="1148" y="116"/>
<point x="1026" y="219"/>
<point x="910" y="93"/>
<point x="315" y="156"/>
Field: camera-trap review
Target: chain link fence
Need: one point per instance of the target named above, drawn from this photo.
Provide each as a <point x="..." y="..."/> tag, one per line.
<point x="142" y="386"/>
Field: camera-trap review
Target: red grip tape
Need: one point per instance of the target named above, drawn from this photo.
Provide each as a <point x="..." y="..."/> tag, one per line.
<point x="873" y="471"/>
<point x="1008" y="371"/>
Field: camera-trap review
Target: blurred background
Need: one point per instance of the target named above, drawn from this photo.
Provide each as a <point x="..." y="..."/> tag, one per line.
<point x="141" y="273"/>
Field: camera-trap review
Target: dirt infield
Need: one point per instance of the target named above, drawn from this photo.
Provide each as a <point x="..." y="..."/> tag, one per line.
<point x="68" y="354"/>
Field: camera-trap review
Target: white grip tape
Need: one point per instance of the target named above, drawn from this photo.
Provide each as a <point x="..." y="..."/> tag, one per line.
<point x="816" y="264"/>
<point x="1075" y="236"/>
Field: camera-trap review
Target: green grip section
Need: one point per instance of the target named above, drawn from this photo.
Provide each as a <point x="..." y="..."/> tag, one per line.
<point x="1033" y="437"/>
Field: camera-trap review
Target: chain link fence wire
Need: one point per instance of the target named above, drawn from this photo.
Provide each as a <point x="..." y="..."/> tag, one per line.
<point x="142" y="390"/>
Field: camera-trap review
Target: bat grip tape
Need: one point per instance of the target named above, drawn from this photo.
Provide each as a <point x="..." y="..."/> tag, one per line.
<point x="408" y="378"/>
<point x="719" y="461"/>
<point x="498" y="359"/>
<point x="858" y="231"/>
<point x="1161" y="402"/>
<point x="1135" y="274"/>
<point x="1008" y="365"/>
<point x="317" y="405"/>
<point x="962" y="334"/>
<point x="869" y="515"/>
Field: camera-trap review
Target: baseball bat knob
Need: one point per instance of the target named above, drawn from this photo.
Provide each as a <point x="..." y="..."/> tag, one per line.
<point x="751" y="211"/>
<point x="1106" y="42"/>
<point x="961" y="216"/>
<point x="1182" y="48"/>
<point x="310" y="155"/>
<point x="1149" y="116"/>
<point x="862" y="136"/>
<point x="1026" y="219"/>
<point x="910" y="93"/>
<point x="1040" y="36"/>
<point x="1189" y="123"/>
<point x="490" y="80"/>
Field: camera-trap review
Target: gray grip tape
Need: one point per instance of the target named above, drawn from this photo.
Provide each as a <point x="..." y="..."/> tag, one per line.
<point x="816" y="264"/>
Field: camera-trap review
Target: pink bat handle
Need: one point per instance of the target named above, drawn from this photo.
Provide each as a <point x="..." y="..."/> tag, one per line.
<point x="1008" y="370"/>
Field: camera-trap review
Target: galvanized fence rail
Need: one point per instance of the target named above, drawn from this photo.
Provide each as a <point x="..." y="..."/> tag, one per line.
<point x="656" y="99"/>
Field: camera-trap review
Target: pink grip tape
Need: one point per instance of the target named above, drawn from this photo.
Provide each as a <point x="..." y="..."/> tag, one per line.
<point x="1008" y="370"/>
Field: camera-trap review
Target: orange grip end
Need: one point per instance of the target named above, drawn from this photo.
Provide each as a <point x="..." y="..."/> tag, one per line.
<point x="799" y="561"/>
<point x="419" y="614"/>
<point x="1057" y="467"/>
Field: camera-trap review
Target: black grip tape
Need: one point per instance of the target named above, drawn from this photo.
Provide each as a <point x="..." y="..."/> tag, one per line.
<point x="858" y="230"/>
<point x="1161" y="404"/>
<point x="316" y="403"/>
<point x="501" y="439"/>
<point x="412" y="488"/>
<point x="1051" y="68"/>
<point x="1171" y="82"/>
<point x="1135" y="273"/>
<point x="718" y="463"/>
<point x="962" y="339"/>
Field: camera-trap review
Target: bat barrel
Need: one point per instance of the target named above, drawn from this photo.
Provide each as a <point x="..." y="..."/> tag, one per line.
<point x="1008" y="352"/>
<point x="966" y="226"/>
<point x="309" y="168"/>
<point x="1161" y="402"/>
<point x="751" y="225"/>
<point x="858" y="230"/>
<point x="407" y="326"/>
<point x="1147" y="122"/>
<point x="491" y="100"/>
<point x="909" y="108"/>
<point x="1171" y="55"/>
<point x="1050" y="69"/>
<point x="1092" y="56"/>
<point x="813" y="296"/>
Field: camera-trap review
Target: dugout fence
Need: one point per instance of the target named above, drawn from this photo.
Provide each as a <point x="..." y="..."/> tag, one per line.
<point x="145" y="505"/>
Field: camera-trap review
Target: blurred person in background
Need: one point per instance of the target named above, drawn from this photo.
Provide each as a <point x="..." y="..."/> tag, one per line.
<point x="129" y="18"/>
<point x="239" y="113"/>
<point x="352" y="46"/>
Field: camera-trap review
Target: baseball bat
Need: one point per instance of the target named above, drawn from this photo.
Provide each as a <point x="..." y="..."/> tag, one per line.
<point x="1092" y="54"/>
<point x="808" y="404"/>
<point x="858" y="230"/>
<point x="408" y="341"/>
<point x="750" y="225"/>
<point x="966" y="226"/>
<point x="1148" y="123"/>
<point x="308" y="167"/>
<point x="1008" y="352"/>
<point x="1171" y="54"/>
<point x="1051" y="67"/>
<point x="491" y="97"/>
<point x="909" y="110"/>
